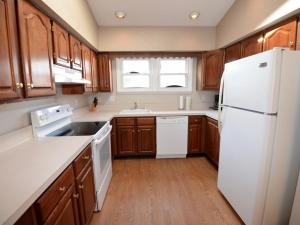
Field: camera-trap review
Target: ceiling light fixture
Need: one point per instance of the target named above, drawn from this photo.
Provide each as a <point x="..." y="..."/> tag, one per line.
<point x="120" y="14"/>
<point x="194" y="15"/>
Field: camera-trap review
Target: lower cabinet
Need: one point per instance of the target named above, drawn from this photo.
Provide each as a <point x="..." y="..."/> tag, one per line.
<point x="70" y="200"/>
<point x="212" y="140"/>
<point x="135" y="136"/>
<point x="195" y="134"/>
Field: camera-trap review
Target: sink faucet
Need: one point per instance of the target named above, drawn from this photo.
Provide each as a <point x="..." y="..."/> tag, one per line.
<point x="135" y="105"/>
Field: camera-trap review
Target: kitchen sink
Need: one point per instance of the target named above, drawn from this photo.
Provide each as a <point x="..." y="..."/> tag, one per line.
<point x="135" y="111"/>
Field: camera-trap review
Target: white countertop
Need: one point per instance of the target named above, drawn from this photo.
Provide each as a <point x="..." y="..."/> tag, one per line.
<point x="28" y="168"/>
<point x="85" y="115"/>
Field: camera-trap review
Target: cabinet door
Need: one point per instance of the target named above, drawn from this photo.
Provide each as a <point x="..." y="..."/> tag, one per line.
<point x="95" y="76"/>
<point x="252" y="45"/>
<point x="126" y="140"/>
<point x="66" y="211"/>
<point x="28" y="218"/>
<point x="86" y="189"/>
<point x="75" y="51"/>
<point x="194" y="138"/>
<point x="61" y="46"/>
<point x="105" y="73"/>
<point x="233" y="53"/>
<point x="10" y="84"/>
<point x="87" y="68"/>
<point x="146" y="139"/>
<point x="36" y="48"/>
<point x="113" y="137"/>
<point x="212" y="69"/>
<point x="212" y="140"/>
<point x="282" y="36"/>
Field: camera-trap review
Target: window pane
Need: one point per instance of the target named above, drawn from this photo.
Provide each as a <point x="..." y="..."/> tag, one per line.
<point x="172" y="81"/>
<point x="133" y="81"/>
<point x="173" y="66"/>
<point x="135" y="66"/>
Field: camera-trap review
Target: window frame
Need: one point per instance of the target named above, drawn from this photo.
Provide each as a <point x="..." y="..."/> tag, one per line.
<point x="155" y="76"/>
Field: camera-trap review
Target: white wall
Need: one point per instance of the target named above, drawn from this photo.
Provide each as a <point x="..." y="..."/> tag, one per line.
<point x="16" y="115"/>
<point x="78" y="15"/>
<point x="153" y="101"/>
<point x="249" y="16"/>
<point x="156" y="38"/>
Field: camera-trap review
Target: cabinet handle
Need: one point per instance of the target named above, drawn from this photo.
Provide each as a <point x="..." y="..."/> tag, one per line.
<point x="291" y="43"/>
<point x="29" y="86"/>
<point x="19" y="85"/>
<point x="85" y="157"/>
<point x="71" y="60"/>
<point x="81" y="186"/>
<point x="76" y="196"/>
<point x="62" y="189"/>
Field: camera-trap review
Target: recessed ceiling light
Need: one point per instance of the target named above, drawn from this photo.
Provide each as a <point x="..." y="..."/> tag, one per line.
<point x="120" y="14"/>
<point x="194" y="15"/>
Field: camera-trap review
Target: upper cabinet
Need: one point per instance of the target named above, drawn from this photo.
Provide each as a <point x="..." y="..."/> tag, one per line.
<point x="105" y="80"/>
<point x="95" y="75"/>
<point x="212" y="69"/>
<point x="282" y="36"/>
<point x="36" y="50"/>
<point x="252" y="45"/>
<point x="233" y="52"/>
<point x="61" y="46"/>
<point x="87" y="68"/>
<point x="10" y="85"/>
<point x="75" y="51"/>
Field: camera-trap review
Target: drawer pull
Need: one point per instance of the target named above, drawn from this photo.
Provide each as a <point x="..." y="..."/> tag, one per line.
<point x="85" y="157"/>
<point x="81" y="186"/>
<point x="62" y="189"/>
<point x="76" y="196"/>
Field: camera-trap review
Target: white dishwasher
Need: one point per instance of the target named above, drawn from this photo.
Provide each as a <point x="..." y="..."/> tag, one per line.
<point x="171" y="136"/>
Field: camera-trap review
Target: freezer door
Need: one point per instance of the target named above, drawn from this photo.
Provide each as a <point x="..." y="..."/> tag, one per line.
<point x="245" y="154"/>
<point x="253" y="82"/>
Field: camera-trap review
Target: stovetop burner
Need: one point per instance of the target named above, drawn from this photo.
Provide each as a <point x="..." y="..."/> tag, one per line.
<point x="78" y="129"/>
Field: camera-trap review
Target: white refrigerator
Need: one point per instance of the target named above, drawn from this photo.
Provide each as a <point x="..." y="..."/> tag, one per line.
<point x="260" y="135"/>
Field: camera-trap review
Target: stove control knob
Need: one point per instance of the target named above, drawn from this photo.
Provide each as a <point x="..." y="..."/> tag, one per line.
<point x="43" y="117"/>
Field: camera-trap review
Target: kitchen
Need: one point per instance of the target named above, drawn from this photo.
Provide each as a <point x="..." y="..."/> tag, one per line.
<point x="110" y="115"/>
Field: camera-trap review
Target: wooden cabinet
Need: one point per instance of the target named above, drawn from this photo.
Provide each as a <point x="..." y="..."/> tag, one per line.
<point x="28" y="218"/>
<point x="66" y="211"/>
<point x="87" y="68"/>
<point x="212" y="143"/>
<point x="86" y="191"/>
<point x="146" y="138"/>
<point x="95" y="75"/>
<point x="10" y="84"/>
<point x="195" y="135"/>
<point x="281" y="36"/>
<point x="252" y="45"/>
<point x="233" y="52"/>
<point x="61" y="46"/>
<point x="36" y="50"/>
<point x="212" y="69"/>
<point x="113" y="138"/>
<point x="105" y="80"/>
<point x="135" y="136"/>
<point x="126" y="140"/>
<point x="75" y="53"/>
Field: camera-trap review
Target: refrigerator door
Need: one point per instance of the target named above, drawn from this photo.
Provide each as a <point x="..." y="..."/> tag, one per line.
<point x="245" y="155"/>
<point x="253" y="82"/>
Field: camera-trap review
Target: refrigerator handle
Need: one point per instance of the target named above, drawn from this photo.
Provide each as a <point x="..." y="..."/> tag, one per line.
<point x="220" y="105"/>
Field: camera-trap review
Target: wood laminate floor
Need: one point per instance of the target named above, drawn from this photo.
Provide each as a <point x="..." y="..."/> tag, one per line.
<point x="164" y="192"/>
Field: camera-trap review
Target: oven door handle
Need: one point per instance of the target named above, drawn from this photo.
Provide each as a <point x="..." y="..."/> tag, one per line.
<point x="105" y="136"/>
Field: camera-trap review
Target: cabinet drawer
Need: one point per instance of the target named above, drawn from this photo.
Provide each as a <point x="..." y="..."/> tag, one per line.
<point x="145" y="120"/>
<point x="195" y="119"/>
<point x="82" y="160"/>
<point x="125" y="121"/>
<point x="48" y="201"/>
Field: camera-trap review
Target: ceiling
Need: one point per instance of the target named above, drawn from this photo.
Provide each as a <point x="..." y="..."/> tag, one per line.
<point x="159" y="12"/>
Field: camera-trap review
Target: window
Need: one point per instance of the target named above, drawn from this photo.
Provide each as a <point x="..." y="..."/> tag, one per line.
<point x="154" y="74"/>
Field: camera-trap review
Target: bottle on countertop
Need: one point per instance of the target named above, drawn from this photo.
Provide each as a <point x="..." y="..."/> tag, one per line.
<point x="188" y="103"/>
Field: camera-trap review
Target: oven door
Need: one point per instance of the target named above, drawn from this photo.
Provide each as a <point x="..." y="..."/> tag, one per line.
<point x="102" y="166"/>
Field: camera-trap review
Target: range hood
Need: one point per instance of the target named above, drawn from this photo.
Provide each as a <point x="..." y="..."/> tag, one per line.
<point x="68" y="76"/>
